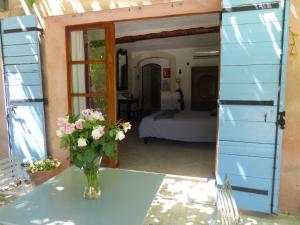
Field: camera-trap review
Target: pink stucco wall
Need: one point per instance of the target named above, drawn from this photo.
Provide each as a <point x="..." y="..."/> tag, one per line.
<point x="289" y="198"/>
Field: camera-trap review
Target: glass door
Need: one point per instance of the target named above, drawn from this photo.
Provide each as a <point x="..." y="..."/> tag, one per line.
<point x="91" y="75"/>
<point x="91" y="69"/>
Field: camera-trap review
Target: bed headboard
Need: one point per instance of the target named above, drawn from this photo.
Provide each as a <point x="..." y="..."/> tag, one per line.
<point x="204" y="87"/>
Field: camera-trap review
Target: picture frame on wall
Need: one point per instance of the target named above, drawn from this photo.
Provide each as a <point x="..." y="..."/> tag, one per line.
<point x="166" y="73"/>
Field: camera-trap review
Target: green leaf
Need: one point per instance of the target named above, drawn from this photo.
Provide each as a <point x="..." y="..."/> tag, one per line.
<point x="63" y="142"/>
<point x="76" y="159"/>
<point x="109" y="150"/>
<point x="90" y="155"/>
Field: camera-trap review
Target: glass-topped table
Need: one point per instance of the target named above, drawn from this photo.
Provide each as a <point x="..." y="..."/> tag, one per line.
<point x="125" y="199"/>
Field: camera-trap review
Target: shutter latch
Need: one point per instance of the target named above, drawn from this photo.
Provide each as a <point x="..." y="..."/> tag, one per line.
<point x="281" y="119"/>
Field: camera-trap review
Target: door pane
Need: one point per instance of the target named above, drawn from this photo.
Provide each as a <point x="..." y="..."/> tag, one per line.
<point x="80" y="103"/>
<point x="88" y="78"/>
<point x="88" y="45"/>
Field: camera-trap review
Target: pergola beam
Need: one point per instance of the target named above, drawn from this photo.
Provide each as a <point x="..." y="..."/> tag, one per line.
<point x="167" y="34"/>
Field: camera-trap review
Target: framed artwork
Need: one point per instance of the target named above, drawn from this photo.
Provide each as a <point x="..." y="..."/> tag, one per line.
<point x="166" y="72"/>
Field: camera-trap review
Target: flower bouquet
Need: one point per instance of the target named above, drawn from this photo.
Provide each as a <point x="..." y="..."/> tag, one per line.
<point x="88" y="137"/>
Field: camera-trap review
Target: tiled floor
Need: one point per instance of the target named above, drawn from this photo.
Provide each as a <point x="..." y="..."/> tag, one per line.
<point x="169" y="157"/>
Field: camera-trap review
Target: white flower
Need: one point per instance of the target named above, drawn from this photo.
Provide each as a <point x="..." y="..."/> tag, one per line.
<point x="97" y="116"/>
<point x="126" y="126"/>
<point x="120" y="136"/>
<point x="98" y="132"/>
<point x="81" y="142"/>
<point x="59" y="133"/>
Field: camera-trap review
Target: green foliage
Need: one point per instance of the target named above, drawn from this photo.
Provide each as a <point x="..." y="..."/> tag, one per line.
<point x="31" y="2"/>
<point x="42" y="165"/>
<point x="88" y="138"/>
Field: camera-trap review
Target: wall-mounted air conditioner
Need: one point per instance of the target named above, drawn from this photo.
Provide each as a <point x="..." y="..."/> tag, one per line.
<point x="206" y="52"/>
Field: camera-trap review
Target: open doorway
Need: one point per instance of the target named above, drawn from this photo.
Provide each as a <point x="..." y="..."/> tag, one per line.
<point x="151" y="83"/>
<point x="172" y="89"/>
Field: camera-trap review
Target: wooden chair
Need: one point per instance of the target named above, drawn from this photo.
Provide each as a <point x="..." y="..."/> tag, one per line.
<point x="226" y="210"/>
<point x="12" y="180"/>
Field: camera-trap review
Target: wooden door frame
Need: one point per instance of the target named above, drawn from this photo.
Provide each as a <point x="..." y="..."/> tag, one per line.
<point x="109" y="63"/>
<point x="110" y="73"/>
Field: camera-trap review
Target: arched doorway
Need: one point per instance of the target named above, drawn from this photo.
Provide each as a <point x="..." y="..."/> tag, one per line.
<point x="151" y="85"/>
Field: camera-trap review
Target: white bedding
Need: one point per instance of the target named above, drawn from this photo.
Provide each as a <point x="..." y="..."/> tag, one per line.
<point x="189" y="126"/>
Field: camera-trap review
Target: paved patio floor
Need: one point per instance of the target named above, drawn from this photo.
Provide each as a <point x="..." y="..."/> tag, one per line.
<point x="190" y="201"/>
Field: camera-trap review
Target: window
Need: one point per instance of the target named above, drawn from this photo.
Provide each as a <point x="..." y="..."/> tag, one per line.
<point x="90" y="56"/>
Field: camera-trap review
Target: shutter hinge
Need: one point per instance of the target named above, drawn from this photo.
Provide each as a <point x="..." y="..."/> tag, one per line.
<point x="281" y="119"/>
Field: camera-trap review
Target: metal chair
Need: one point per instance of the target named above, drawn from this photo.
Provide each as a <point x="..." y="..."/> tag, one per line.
<point x="226" y="209"/>
<point x="12" y="180"/>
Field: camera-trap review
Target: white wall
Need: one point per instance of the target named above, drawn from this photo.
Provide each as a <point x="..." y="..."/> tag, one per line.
<point x="184" y="61"/>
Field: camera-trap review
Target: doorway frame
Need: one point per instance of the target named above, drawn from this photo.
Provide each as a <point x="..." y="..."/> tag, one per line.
<point x="148" y="64"/>
<point x="190" y="8"/>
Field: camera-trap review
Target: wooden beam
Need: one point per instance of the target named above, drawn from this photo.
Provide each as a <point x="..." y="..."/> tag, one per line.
<point x="167" y="34"/>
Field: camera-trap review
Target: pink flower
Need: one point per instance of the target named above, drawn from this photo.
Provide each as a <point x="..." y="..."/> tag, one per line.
<point x="62" y="120"/>
<point x="68" y="128"/>
<point x="97" y="116"/>
<point x="98" y="132"/>
<point x="86" y="112"/>
<point x="79" y="124"/>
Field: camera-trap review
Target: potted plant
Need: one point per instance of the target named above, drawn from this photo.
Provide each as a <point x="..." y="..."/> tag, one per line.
<point x="42" y="170"/>
<point x="88" y="137"/>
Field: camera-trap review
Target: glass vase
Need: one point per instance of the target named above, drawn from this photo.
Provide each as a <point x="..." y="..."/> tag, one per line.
<point x="92" y="184"/>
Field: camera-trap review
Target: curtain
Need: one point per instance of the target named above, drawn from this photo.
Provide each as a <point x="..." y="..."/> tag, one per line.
<point x="78" y="71"/>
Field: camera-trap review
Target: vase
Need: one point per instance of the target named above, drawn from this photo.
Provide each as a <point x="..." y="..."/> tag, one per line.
<point x="92" y="183"/>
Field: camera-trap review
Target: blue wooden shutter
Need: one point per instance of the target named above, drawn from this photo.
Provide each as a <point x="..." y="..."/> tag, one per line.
<point x="254" y="43"/>
<point x="23" y="87"/>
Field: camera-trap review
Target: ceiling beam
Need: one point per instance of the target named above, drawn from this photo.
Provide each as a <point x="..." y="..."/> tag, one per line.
<point x="167" y="34"/>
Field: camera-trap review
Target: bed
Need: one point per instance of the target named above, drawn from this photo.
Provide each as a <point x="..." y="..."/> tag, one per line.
<point x="188" y="126"/>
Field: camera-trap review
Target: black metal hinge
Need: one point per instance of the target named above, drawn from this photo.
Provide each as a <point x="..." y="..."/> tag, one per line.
<point x="281" y="119"/>
<point x="44" y="100"/>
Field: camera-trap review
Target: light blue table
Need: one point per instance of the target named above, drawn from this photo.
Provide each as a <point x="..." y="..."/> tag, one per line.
<point x="125" y="199"/>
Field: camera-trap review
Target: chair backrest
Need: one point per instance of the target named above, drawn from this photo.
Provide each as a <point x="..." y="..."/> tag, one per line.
<point x="10" y="171"/>
<point x="226" y="208"/>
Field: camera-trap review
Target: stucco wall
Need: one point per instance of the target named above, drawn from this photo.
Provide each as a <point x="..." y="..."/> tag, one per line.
<point x="179" y="59"/>
<point x="289" y="199"/>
